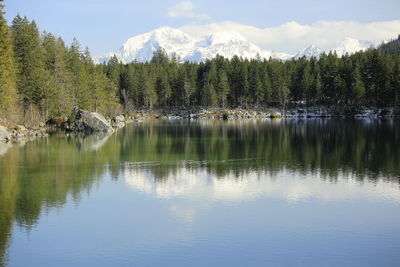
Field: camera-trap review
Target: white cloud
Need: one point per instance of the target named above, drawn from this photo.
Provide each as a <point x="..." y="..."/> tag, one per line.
<point x="291" y="37"/>
<point x="185" y="9"/>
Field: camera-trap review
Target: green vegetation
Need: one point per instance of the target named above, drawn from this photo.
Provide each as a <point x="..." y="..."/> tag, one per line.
<point x="50" y="79"/>
<point x="41" y="77"/>
<point x="369" y="78"/>
<point x="7" y="68"/>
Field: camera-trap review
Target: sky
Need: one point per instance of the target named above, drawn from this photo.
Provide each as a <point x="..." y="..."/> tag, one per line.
<point x="280" y="25"/>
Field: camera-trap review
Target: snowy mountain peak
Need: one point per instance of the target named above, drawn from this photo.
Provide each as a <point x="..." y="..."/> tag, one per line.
<point x="347" y="46"/>
<point x="228" y="44"/>
<point x="142" y="47"/>
<point x="351" y="46"/>
<point x="226" y="37"/>
<point x="309" y="52"/>
<point x="168" y="33"/>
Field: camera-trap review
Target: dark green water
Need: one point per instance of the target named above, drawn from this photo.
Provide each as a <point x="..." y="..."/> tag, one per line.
<point x="206" y="193"/>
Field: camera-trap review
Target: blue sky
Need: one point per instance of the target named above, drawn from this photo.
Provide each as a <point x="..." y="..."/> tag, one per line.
<point x="281" y="25"/>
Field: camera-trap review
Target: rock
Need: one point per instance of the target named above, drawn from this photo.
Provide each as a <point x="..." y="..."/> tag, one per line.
<point x="86" y="121"/>
<point x="5" y="135"/>
<point x="385" y="112"/>
<point x="21" y="129"/>
<point x="119" y="118"/>
<point x="118" y="121"/>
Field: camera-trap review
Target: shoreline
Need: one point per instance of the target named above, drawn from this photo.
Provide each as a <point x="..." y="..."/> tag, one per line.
<point x="10" y="134"/>
<point x="271" y="113"/>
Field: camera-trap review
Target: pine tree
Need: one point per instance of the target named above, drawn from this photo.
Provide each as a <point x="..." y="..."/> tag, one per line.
<point x="160" y="57"/>
<point x="80" y="76"/>
<point x="396" y="81"/>
<point x="222" y="88"/>
<point x="30" y="63"/>
<point x="306" y="82"/>
<point x="255" y="86"/>
<point x="210" y="96"/>
<point x="148" y="90"/>
<point x="266" y="86"/>
<point x="8" y="94"/>
<point x="163" y="89"/>
<point x="357" y="85"/>
<point x="316" y="87"/>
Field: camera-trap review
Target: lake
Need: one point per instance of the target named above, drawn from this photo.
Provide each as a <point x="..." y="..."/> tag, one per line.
<point x="323" y="192"/>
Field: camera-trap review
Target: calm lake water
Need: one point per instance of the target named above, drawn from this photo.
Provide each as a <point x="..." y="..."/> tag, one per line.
<point x="206" y="193"/>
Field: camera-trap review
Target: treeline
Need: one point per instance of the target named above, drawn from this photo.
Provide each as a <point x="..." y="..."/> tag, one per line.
<point x="370" y="78"/>
<point x="42" y="77"/>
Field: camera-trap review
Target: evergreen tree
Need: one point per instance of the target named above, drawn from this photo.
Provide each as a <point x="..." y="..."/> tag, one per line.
<point x="80" y="76"/>
<point x="357" y="85"/>
<point x="210" y="96"/>
<point x="222" y="88"/>
<point x="30" y="64"/>
<point x="149" y="94"/>
<point x="7" y="68"/>
<point x="163" y="89"/>
<point x="396" y="81"/>
<point x="315" y="92"/>
<point x="256" y="93"/>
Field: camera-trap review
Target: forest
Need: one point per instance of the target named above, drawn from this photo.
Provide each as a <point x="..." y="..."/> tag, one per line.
<point x="42" y="77"/>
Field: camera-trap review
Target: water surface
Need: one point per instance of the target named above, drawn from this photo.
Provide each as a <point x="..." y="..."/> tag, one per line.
<point x="206" y="193"/>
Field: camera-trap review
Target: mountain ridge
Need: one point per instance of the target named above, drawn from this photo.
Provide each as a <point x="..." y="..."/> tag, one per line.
<point x="141" y="47"/>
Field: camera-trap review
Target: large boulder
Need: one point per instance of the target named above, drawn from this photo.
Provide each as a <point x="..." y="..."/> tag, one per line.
<point x="5" y="135"/>
<point x="86" y="121"/>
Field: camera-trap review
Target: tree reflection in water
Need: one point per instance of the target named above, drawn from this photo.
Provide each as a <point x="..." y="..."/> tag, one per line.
<point x="219" y="160"/>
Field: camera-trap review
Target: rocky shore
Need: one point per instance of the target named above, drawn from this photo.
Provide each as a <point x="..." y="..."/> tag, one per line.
<point x="19" y="133"/>
<point x="91" y="122"/>
<point x="87" y="122"/>
<point x="84" y="121"/>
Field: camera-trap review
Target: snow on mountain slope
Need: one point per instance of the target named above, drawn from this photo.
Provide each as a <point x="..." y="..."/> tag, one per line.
<point x="228" y="44"/>
<point x="347" y="46"/>
<point x="351" y="46"/>
<point x="142" y="47"/>
<point x="309" y="52"/>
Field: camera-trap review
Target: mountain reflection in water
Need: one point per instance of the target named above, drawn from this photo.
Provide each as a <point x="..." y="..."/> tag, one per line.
<point x="203" y="163"/>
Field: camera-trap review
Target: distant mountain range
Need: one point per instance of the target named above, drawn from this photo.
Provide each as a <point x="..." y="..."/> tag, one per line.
<point x="347" y="46"/>
<point x="141" y="48"/>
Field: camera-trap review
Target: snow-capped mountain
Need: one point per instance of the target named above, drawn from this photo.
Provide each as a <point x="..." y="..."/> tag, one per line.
<point x="309" y="52"/>
<point x="351" y="46"/>
<point x="228" y="44"/>
<point x="347" y="46"/>
<point x="141" y="48"/>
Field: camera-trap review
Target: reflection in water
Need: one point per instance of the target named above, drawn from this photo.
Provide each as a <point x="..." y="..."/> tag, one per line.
<point x="92" y="142"/>
<point x="200" y="185"/>
<point x="4" y="148"/>
<point x="204" y="161"/>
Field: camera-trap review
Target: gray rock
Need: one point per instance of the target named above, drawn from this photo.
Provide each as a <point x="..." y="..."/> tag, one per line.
<point x="119" y="118"/>
<point x="5" y="135"/>
<point x="86" y="121"/>
<point x="118" y="122"/>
